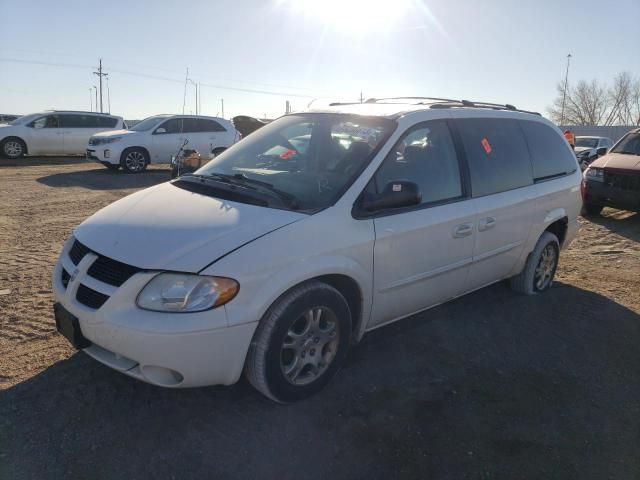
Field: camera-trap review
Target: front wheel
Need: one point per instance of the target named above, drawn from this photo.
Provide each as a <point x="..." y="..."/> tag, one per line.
<point x="134" y="160"/>
<point x="13" y="148"/>
<point x="540" y="269"/>
<point x="300" y="343"/>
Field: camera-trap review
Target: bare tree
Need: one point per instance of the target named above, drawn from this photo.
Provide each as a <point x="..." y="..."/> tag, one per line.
<point x="586" y="104"/>
<point x="592" y="103"/>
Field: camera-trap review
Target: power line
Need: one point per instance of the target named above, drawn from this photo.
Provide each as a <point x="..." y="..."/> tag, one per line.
<point x="168" y="79"/>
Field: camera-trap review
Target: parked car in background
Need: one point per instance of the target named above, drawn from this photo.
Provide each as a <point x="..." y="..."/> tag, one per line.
<point x="589" y="148"/>
<point x="280" y="253"/>
<point x="58" y="132"/>
<point x="8" y="118"/>
<point x="156" y="139"/>
<point x="614" y="179"/>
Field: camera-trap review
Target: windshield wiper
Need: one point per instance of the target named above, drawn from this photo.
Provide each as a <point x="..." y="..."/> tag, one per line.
<point x="290" y="200"/>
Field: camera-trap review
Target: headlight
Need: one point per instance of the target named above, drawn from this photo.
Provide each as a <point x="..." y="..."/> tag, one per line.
<point x="595" y="174"/>
<point x="111" y="139"/>
<point x="178" y="292"/>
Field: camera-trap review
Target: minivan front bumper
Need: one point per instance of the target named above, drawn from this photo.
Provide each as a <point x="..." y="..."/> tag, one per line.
<point x="164" y="349"/>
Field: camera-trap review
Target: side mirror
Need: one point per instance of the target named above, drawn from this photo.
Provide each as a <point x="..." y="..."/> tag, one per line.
<point x="396" y="194"/>
<point x="601" y="151"/>
<point x="161" y="130"/>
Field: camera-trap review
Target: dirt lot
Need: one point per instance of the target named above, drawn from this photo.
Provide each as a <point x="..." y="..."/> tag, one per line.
<point x="493" y="385"/>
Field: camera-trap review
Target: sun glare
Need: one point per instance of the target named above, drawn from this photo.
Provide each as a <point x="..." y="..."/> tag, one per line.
<point x="353" y="16"/>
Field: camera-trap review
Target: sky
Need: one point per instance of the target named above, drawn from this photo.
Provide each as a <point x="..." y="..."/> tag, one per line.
<point x="256" y="54"/>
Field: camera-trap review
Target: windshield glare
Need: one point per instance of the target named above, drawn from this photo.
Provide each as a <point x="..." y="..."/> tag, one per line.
<point x="629" y="144"/>
<point x="312" y="157"/>
<point x="586" y="142"/>
<point x="147" y="124"/>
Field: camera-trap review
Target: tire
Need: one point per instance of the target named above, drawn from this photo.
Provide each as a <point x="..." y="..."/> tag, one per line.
<point x="286" y="372"/>
<point x="13" y="148"/>
<point x="539" y="265"/>
<point x="134" y="160"/>
<point x="217" y="151"/>
<point x="589" y="209"/>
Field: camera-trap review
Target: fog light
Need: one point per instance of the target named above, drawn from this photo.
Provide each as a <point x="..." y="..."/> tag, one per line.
<point x="107" y="153"/>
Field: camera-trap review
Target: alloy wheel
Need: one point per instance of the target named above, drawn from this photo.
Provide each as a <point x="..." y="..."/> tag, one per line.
<point x="545" y="268"/>
<point x="135" y="161"/>
<point x="13" y="148"/>
<point x="310" y="346"/>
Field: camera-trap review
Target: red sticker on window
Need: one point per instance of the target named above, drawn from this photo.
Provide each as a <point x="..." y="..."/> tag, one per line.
<point x="288" y="154"/>
<point x="486" y="145"/>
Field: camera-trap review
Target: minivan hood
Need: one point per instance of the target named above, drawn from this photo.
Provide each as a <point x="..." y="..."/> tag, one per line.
<point x="618" y="160"/>
<point x="113" y="133"/>
<point x="168" y="228"/>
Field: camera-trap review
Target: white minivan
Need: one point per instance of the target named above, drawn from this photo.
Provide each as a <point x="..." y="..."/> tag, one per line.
<point x="59" y="132"/>
<point x="282" y="252"/>
<point x="156" y="139"/>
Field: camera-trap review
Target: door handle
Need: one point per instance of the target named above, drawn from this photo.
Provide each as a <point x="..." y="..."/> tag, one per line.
<point x="486" y="224"/>
<point x="463" y="230"/>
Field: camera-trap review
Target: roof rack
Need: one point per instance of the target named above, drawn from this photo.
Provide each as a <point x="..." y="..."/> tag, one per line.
<point x="435" y="102"/>
<point x="78" y="111"/>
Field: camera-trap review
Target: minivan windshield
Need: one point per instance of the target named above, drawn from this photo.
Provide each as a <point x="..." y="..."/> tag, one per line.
<point x="309" y="158"/>
<point x="24" y="119"/>
<point x="629" y="144"/>
<point x="147" y="124"/>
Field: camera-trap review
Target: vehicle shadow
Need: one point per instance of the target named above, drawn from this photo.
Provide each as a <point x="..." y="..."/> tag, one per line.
<point x="492" y="385"/>
<point x="41" y="160"/>
<point x="104" y="179"/>
<point x="622" y="222"/>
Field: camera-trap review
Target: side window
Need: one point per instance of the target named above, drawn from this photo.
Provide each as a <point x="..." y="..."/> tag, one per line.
<point x="497" y="154"/>
<point x="426" y="156"/>
<point x="549" y="153"/>
<point x="173" y="125"/>
<point x="50" y="121"/>
<point x="190" y="125"/>
<point x="206" y="125"/>
<point x="105" y="122"/>
<point x="76" y="121"/>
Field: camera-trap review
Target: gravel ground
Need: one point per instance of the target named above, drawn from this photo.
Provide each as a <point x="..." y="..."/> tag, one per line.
<point x="492" y="385"/>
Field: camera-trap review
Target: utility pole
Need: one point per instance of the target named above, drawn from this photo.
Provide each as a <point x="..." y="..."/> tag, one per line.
<point x="108" y="97"/>
<point x="564" y="93"/>
<point x="199" y="92"/>
<point x="90" y="99"/>
<point x="184" y="97"/>
<point x="96" y="89"/>
<point x="222" y="106"/>
<point x="287" y="107"/>
<point x="361" y="97"/>
<point x="100" y="75"/>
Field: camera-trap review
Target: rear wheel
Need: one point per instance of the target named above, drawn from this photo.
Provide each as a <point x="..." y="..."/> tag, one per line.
<point x="134" y="160"/>
<point x="300" y="343"/>
<point x="590" y="209"/>
<point x="540" y="269"/>
<point x="13" y="147"/>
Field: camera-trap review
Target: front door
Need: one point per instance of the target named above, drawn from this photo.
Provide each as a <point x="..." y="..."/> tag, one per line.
<point x="422" y="254"/>
<point x="166" y="140"/>
<point x="46" y="136"/>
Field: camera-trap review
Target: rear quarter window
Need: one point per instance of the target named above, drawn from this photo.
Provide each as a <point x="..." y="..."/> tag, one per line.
<point x="497" y="154"/>
<point x="550" y="156"/>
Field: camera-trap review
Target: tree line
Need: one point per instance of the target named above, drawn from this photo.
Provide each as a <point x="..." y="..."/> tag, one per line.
<point x="598" y="103"/>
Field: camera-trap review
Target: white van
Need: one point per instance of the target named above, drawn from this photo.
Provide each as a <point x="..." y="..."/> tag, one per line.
<point x="281" y="252"/>
<point x="156" y="139"/>
<point x="56" y="132"/>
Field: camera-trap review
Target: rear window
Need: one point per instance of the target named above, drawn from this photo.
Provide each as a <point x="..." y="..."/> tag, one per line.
<point x="497" y="154"/>
<point x="550" y="156"/>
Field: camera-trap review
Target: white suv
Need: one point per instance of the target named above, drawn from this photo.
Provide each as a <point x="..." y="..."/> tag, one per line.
<point x="156" y="139"/>
<point x="279" y="254"/>
<point x="53" y="132"/>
